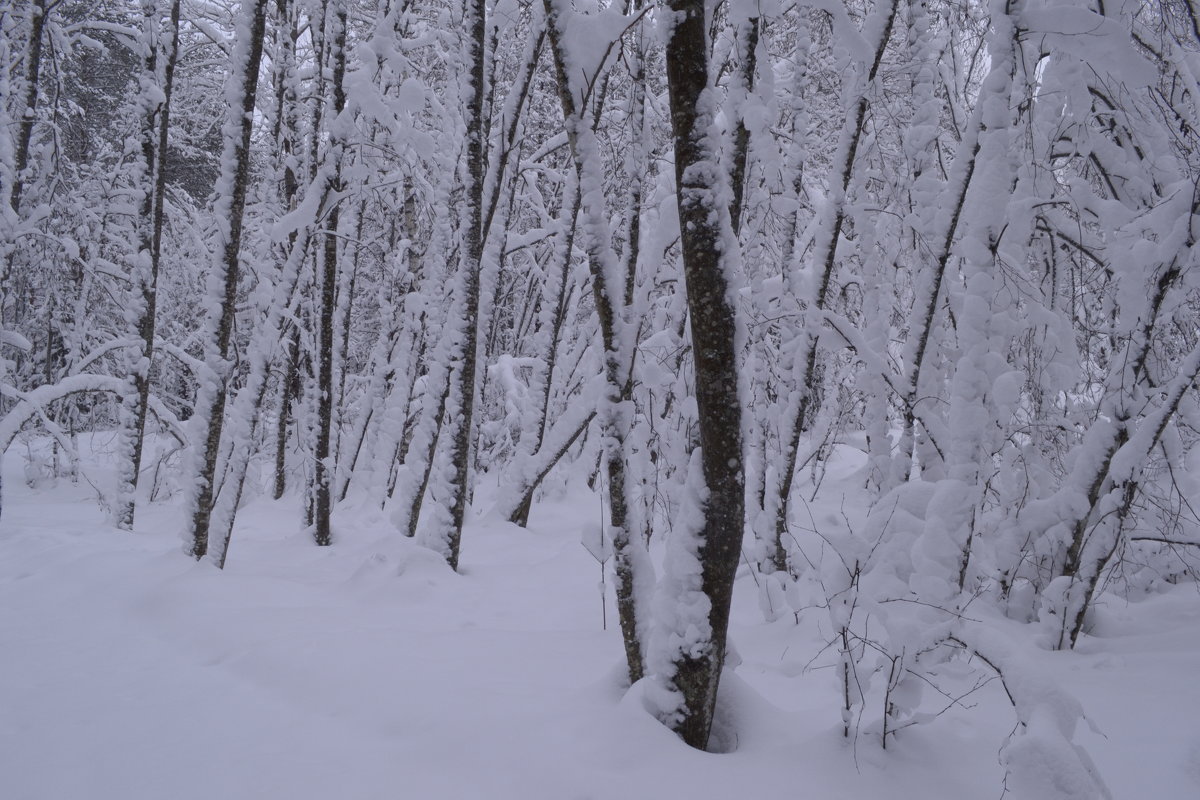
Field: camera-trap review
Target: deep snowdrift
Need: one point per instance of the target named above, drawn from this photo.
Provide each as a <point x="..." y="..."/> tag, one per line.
<point x="368" y="670"/>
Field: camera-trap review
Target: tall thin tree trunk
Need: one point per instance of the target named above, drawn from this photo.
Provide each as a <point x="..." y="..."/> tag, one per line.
<point x="160" y="46"/>
<point x="609" y="292"/>
<point x="33" y="67"/>
<point x="462" y="387"/>
<point x="747" y="37"/>
<point x="327" y="277"/>
<point x="286" y="141"/>
<point x="223" y="281"/>
<point x="287" y="394"/>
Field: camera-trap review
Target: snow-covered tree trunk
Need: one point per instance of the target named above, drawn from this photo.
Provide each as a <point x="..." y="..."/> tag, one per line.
<point x="460" y="401"/>
<point x="618" y="332"/>
<point x="158" y="70"/>
<point x="38" y="10"/>
<point x="287" y="394"/>
<point x="223" y="279"/>
<point x="748" y="31"/>
<point x="703" y="549"/>
<point x="288" y="151"/>
<point x="804" y="391"/>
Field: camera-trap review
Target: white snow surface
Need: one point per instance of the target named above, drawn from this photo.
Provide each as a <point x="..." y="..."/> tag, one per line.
<point x="369" y="670"/>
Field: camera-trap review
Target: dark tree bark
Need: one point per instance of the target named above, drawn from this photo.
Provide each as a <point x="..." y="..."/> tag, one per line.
<point x="231" y="207"/>
<point x="748" y="34"/>
<point x="28" y="111"/>
<point x="327" y="294"/>
<point x="33" y="66"/>
<point x="713" y="324"/>
<point x="287" y="395"/>
<point x="285" y="135"/>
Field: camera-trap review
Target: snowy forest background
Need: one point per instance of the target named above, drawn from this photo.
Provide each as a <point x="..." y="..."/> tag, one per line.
<point x="877" y="317"/>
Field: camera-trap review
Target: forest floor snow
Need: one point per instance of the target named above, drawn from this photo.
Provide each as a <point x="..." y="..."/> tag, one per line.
<point x="369" y="670"/>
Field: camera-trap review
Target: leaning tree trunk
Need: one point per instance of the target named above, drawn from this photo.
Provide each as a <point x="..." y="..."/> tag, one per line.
<point x="803" y="411"/>
<point x="692" y="662"/>
<point x="630" y="561"/>
<point x="461" y="401"/>
<point x="265" y="342"/>
<point x="223" y="280"/>
<point x="554" y="303"/>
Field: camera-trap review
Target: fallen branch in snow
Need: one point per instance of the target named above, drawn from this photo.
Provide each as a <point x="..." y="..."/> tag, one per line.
<point x="1163" y="540"/>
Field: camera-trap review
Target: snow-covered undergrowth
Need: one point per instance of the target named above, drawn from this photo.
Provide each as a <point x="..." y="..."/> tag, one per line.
<point x="369" y="670"/>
